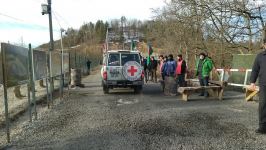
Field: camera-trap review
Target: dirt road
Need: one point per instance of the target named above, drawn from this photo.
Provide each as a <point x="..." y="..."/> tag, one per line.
<point x="123" y="120"/>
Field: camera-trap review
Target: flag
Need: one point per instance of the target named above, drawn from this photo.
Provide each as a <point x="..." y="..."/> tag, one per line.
<point x="150" y="51"/>
<point x="133" y="45"/>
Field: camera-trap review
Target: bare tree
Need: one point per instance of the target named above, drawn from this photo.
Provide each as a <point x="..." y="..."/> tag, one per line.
<point x="218" y="27"/>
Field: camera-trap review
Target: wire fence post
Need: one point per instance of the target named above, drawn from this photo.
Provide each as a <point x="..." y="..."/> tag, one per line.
<point x="62" y="66"/>
<point x="5" y="94"/>
<point x="28" y="89"/>
<point x="29" y="101"/>
<point x="32" y="79"/>
<point x="47" y="91"/>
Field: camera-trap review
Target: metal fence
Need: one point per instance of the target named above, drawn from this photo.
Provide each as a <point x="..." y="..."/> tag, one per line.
<point x="21" y="66"/>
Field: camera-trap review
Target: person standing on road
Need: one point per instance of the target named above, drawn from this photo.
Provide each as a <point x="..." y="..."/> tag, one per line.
<point x="161" y="63"/>
<point x="170" y="73"/>
<point x="204" y="67"/>
<point x="145" y="67"/>
<point x="165" y="59"/>
<point x="88" y="65"/>
<point x="170" y="66"/>
<point x="181" y="71"/>
<point x="154" y="65"/>
<point x="259" y="70"/>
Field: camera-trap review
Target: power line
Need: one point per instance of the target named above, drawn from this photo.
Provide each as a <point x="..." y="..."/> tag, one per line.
<point x="62" y="18"/>
<point x="24" y="21"/>
<point x="54" y="12"/>
<point x="14" y="18"/>
<point x="58" y="22"/>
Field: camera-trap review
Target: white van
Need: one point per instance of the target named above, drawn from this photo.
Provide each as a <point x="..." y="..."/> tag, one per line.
<point x="122" y="68"/>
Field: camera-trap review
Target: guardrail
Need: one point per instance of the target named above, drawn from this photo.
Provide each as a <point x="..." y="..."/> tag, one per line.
<point x="225" y="75"/>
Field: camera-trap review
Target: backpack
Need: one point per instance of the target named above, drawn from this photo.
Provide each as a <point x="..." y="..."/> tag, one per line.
<point x="170" y="68"/>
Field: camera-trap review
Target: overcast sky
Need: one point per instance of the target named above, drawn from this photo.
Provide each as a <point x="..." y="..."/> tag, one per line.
<point x="21" y="20"/>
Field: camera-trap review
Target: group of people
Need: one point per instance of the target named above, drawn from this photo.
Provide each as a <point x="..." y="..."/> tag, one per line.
<point x="177" y="69"/>
<point x="169" y="68"/>
<point x="150" y="69"/>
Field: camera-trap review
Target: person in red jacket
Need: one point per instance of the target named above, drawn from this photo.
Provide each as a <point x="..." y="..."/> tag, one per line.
<point x="181" y="71"/>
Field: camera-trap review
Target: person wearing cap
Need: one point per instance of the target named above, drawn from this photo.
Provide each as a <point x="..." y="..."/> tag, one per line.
<point x="259" y="70"/>
<point x="204" y="67"/>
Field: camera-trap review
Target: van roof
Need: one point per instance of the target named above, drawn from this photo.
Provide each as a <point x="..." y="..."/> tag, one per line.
<point x="123" y="51"/>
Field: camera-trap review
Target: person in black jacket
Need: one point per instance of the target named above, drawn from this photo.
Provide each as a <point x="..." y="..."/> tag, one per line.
<point x="181" y="71"/>
<point x="161" y="63"/>
<point x="259" y="70"/>
<point x="145" y="67"/>
<point x="154" y="65"/>
<point x="88" y="65"/>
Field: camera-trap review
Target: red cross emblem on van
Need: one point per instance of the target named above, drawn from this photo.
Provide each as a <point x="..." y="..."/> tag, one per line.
<point x="132" y="70"/>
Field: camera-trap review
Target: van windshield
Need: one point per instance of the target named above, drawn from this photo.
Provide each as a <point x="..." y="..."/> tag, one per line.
<point x="129" y="57"/>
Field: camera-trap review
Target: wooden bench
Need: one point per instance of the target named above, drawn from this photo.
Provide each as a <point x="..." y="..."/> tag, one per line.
<point x="251" y="93"/>
<point x="213" y="90"/>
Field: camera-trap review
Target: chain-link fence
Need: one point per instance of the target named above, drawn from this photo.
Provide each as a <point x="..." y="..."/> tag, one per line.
<point x="24" y="80"/>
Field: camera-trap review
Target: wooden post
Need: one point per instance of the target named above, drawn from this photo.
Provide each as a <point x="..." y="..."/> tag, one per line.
<point x="185" y="96"/>
<point x="41" y="83"/>
<point x="17" y="92"/>
<point x="221" y="93"/>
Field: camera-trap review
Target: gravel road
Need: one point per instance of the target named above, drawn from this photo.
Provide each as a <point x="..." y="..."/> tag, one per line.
<point x="123" y="120"/>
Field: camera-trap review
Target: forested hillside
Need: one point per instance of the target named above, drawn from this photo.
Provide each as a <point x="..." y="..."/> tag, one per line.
<point x="218" y="27"/>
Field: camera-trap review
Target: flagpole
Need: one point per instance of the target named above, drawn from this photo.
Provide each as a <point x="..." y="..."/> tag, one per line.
<point x="148" y="58"/>
<point x="106" y="40"/>
<point x="131" y="46"/>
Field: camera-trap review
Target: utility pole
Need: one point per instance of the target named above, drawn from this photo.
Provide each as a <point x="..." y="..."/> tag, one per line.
<point x="51" y="48"/>
<point x="123" y="19"/>
<point x="47" y="9"/>
<point x="50" y="25"/>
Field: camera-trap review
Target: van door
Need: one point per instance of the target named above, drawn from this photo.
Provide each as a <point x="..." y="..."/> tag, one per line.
<point x="114" y="68"/>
